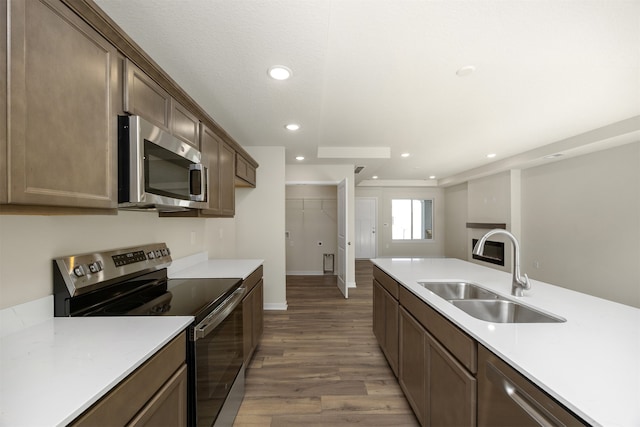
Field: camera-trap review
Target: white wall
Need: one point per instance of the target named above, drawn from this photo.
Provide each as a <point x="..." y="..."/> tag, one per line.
<point x="387" y="247"/>
<point x="29" y="243"/>
<point x="581" y="223"/>
<point x="331" y="174"/>
<point x="260" y="222"/>
<point x="311" y="224"/>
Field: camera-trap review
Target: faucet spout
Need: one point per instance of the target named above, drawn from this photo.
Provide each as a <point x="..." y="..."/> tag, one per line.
<point x="519" y="283"/>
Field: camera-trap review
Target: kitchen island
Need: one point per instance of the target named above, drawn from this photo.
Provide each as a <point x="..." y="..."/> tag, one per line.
<point x="589" y="363"/>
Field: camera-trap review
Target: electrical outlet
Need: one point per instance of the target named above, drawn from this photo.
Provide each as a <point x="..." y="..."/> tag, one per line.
<point x="536" y="264"/>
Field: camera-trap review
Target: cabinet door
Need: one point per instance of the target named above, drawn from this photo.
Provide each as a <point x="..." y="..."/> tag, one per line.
<point x="168" y="407"/>
<point x="227" y="180"/>
<point x="258" y="314"/>
<point x="413" y="363"/>
<point x="210" y="145"/>
<point x="63" y="99"/>
<point x="378" y="312"/>
<point x="245" y="171"/>
<point x="451" y="389"/>
<point x="392" y="315"/>
<point x="247" y="325"/>
<point x="145" y="98"/>
<point x="385" y="324"/>
<point x="184" y="124"/>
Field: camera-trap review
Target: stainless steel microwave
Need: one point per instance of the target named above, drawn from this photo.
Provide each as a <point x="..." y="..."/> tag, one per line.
<point x="157" y="171"/>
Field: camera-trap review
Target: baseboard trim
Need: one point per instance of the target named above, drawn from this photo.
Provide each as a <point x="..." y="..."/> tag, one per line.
<point x="276" y="306"/>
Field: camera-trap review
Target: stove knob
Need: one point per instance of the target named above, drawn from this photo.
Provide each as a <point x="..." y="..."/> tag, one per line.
<point x="95" y="267"/>
<point x="151" y="255"/>
<point x="78" y="270"/>
<point x="158" y="253"/>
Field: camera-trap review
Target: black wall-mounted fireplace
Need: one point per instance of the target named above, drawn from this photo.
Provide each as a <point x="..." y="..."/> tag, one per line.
<point x="493" y="252"/>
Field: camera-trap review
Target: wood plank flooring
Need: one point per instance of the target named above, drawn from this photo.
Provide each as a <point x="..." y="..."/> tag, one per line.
<point x="318" y="363"/>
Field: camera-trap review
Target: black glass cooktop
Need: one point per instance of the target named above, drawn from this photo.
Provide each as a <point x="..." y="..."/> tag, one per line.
<point x="197" y="297"/>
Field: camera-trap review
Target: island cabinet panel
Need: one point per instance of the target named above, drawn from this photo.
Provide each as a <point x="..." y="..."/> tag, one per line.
<point x="451" y="396"/>
<point x="253" y="313"/>
<point x="506" y="398"/>
<point x="154" y="394"/>
<point x="439" y="389"/>
<point x="386" y="317"/>
<point x="413" y="363"/>
<point x="62" y="97"/>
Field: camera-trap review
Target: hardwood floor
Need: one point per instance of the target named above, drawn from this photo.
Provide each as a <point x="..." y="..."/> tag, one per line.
<point x="318" y="363"/>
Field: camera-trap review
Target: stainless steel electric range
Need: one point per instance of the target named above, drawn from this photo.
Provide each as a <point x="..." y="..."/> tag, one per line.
<point x="133" y="282"/>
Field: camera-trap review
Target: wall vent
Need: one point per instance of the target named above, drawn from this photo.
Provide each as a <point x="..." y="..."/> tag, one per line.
<point x="358" y="169"/>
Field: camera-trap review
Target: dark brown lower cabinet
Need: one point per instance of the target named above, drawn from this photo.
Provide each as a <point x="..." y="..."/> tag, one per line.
<point x="385" y="323"/>
<point x="154" y="394"/>
<point x="413" y="363"/>
<point x="439" y="389"/>
<point x="253" y="313"/>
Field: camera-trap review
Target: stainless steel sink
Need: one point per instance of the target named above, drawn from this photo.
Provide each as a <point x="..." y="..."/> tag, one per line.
<point x="504" y="311"/>
<point x="458" y="290"/>
<point x="486" y="305"/>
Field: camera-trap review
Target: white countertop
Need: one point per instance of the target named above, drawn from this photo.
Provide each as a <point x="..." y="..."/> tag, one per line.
<point x="53" y="371"/>
<point x="218" y="268"/>
<point x="590" y="363"/>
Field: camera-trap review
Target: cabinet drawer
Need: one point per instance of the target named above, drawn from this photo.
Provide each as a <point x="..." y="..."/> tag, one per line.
<point x="122" y="403"/>
<point x="462" y="346"/>
<point x="386" y="281"/>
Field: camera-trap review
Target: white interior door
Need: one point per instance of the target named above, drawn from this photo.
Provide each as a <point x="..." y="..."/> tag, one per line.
<point x="365" y="232"/>
<point x="342" y="238"/>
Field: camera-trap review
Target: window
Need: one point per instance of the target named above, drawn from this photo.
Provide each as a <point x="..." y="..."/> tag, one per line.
<point x="412" y="219"/>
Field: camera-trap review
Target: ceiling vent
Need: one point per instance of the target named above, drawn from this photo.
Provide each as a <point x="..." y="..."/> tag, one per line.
<point x="358" y="169"/>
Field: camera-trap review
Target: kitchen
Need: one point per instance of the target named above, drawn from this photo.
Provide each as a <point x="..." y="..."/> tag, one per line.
<point x="29" y="242"/>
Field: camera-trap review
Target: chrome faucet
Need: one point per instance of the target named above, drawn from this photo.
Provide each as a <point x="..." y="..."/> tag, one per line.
<point x="519" y="283"/>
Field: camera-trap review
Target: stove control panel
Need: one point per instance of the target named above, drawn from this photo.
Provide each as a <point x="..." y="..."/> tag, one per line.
<point x="85" y="272"/>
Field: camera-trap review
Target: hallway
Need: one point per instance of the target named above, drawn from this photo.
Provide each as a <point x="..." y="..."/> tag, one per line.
<point x="318" y="363"/>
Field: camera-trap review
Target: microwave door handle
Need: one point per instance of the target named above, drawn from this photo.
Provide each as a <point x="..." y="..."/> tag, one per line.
<point x="199" y="171"/>
<point x="220" y="313"/>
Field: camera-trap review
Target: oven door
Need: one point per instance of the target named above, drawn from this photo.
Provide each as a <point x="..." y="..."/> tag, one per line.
<point x="219" y="369"/>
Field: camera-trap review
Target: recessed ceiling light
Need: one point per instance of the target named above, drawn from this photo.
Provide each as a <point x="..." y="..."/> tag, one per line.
<point x="292" y="126"/>
<point x="374" y="177"/>
<point x="465" y="71"/>
<point x="405" y="154"/>
<point x="299" y="157"/>
<point x="491" y="156"/>
<point x="554" y="156"/>
<point x="279" y="72"/>
<point x="432" y="177"/>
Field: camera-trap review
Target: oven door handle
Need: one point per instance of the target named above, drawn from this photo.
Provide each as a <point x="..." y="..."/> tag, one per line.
<point x="220" y="313"/>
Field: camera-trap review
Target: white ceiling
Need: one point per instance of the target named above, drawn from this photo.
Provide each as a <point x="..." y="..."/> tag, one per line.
<point x="382" y="73"/>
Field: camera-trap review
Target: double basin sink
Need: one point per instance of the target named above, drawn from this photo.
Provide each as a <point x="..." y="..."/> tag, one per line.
<point x="486" y="305"/>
